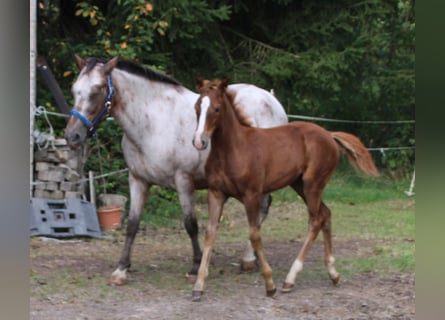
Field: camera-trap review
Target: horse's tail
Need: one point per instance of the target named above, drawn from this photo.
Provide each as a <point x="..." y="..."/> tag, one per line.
<point x="356" y="152"/>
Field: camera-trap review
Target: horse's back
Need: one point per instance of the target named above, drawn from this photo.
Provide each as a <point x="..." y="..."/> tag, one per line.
<point x="264" y="109"/>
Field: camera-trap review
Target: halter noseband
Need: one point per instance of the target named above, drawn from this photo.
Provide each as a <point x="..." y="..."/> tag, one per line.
<point x="92" y="126"/>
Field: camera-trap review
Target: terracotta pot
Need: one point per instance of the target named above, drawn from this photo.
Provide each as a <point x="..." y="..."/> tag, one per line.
<point x="110" y="217"/>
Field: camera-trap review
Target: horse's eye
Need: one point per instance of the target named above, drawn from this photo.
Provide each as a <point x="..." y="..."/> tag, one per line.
<point x="217" y="109"/>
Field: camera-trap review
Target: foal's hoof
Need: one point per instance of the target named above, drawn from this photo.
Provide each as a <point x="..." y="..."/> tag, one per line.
<point x="271" y="293"/>
<point x="336" y="280"/>
<point x="196" y="295"/>
<point x="191" y="278"/>
<point x="287" y="287"/>
<point x="249" y="266"/>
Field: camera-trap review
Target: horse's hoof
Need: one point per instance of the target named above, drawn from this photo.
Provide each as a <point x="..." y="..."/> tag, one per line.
<point x="287" y="287"/>
<point x="196" y="295"/>
<point x="191" y="278"/>
<point x="271" y="293"/>
<point x="249" y="266"/>
<point x="336" y="280"/>
<point x="116" y="281"/>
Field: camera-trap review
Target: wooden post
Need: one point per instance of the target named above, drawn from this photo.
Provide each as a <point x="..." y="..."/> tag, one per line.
<point x="92" y="191"/>
<point x="51" y="82"/>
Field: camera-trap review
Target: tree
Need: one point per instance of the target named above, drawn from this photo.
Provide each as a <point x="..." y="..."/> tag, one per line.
<point x="335" y="59"/>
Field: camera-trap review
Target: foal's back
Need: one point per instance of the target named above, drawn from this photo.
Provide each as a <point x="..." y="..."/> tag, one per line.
<point x="289" y="151"/>
<point x="273" y="158"/>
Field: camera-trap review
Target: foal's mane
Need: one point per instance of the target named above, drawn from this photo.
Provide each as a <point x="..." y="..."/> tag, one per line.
<point x="242" y="116"/>
<point x="134" y="68"/>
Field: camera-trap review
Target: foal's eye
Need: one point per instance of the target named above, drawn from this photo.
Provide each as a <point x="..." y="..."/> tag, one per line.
<point x="217" y="109"/>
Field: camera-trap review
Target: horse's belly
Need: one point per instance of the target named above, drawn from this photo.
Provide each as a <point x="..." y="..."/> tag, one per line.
<point x="162" y="168"/>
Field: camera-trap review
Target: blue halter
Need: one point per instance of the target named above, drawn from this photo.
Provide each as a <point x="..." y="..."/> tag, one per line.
<point x="92" y="126"/>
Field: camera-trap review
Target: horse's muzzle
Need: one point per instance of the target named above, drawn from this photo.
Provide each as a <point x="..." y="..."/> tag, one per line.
<point x="74" y="139"/>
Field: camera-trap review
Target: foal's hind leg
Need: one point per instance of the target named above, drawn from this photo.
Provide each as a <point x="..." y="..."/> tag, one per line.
<point x="311" y="194"/>
<point x="327" y="236"/>
<point x="248" y="260"/>
<point x="138" y="195"/>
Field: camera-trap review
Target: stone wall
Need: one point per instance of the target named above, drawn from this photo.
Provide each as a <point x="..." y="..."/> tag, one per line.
<point x="57" y="172"/>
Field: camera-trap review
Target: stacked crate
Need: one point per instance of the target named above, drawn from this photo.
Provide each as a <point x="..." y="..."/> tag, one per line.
<point x="56" y="172"/>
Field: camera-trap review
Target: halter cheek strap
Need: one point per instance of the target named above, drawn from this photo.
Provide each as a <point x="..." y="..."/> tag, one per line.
<point x="92" y="125"/>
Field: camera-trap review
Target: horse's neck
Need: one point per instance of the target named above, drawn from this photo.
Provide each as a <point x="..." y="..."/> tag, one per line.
<point x="135" y="91"/>
<point x="141" y="101"/>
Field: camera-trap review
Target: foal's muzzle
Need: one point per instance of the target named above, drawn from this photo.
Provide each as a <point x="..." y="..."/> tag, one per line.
<point x="200" y="144"/>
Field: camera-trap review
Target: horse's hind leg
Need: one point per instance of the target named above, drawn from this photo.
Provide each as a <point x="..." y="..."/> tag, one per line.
<point x="327" y="236"/>
<point x="138" y="195"/>
<point x="186" y="189"/>
<point x="248" y="260"/>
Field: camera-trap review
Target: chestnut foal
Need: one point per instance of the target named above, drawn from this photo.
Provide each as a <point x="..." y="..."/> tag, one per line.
<point x="246" y="162"/>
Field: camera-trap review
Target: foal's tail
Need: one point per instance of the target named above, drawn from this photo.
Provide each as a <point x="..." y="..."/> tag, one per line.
<point x="357" y="154"/>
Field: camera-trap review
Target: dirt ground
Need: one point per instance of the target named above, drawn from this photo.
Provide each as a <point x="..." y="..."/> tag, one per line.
<point x="69" y="280"/>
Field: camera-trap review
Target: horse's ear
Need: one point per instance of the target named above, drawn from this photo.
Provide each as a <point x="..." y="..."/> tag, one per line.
<point x="111" y="64"/>
<point x="224" y="83"/>
<point x="199" y="82"/>
<point x="79" y="62"/>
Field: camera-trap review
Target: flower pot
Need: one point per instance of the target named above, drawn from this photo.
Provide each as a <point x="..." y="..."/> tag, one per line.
<point x="110" y="199"/>
<point x="110" y="217"/>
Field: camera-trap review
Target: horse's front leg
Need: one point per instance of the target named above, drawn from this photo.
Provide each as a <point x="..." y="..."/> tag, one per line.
<point x="138" y="195"/>
<point x="248" y="260"/>
<point x="186" y="193"/>
<point x="216" y="202"/>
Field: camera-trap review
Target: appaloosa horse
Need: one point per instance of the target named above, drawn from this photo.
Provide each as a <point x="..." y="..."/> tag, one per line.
<point x="246" y="162"/>
<point x="157" y="117"/>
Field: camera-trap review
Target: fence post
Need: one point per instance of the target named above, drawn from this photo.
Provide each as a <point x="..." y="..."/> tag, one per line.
<point x="32" y="86"/>
<point x="92" y="191"/>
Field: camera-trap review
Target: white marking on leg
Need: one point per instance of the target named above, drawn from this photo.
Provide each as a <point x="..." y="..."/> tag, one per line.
<point x="331" y="268"/>
<point x="248" y="255"/>
<point x="205" y="103"/>
<point x="297" y="266"/>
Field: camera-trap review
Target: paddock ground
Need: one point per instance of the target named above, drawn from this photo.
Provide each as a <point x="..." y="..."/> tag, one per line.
<point x="69" y="279"/>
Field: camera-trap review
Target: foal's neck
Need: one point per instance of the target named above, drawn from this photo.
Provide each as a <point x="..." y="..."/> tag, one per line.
<point x="230" y="131"/>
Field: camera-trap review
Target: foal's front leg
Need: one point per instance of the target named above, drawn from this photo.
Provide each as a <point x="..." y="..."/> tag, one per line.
<point x="252" y="205"/>
<point x="216" y="202"/>
<point x="138" y="195"/>
<point x="248" y="260"/>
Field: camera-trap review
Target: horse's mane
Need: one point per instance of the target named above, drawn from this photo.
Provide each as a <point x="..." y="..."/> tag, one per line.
<point x="134" y="68"/>
<point x="242" y="116"/>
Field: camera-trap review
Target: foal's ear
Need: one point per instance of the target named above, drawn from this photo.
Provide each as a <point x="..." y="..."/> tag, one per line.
<point x="79" y="62"/>
<point x="111" y="64"/>
<point x="224" y="83"/>
<point x="199" y="82"/>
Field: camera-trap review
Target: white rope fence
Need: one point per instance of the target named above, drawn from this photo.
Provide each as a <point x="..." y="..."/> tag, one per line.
<point x="350" y="121"/>
<point x="50" y="137"/>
